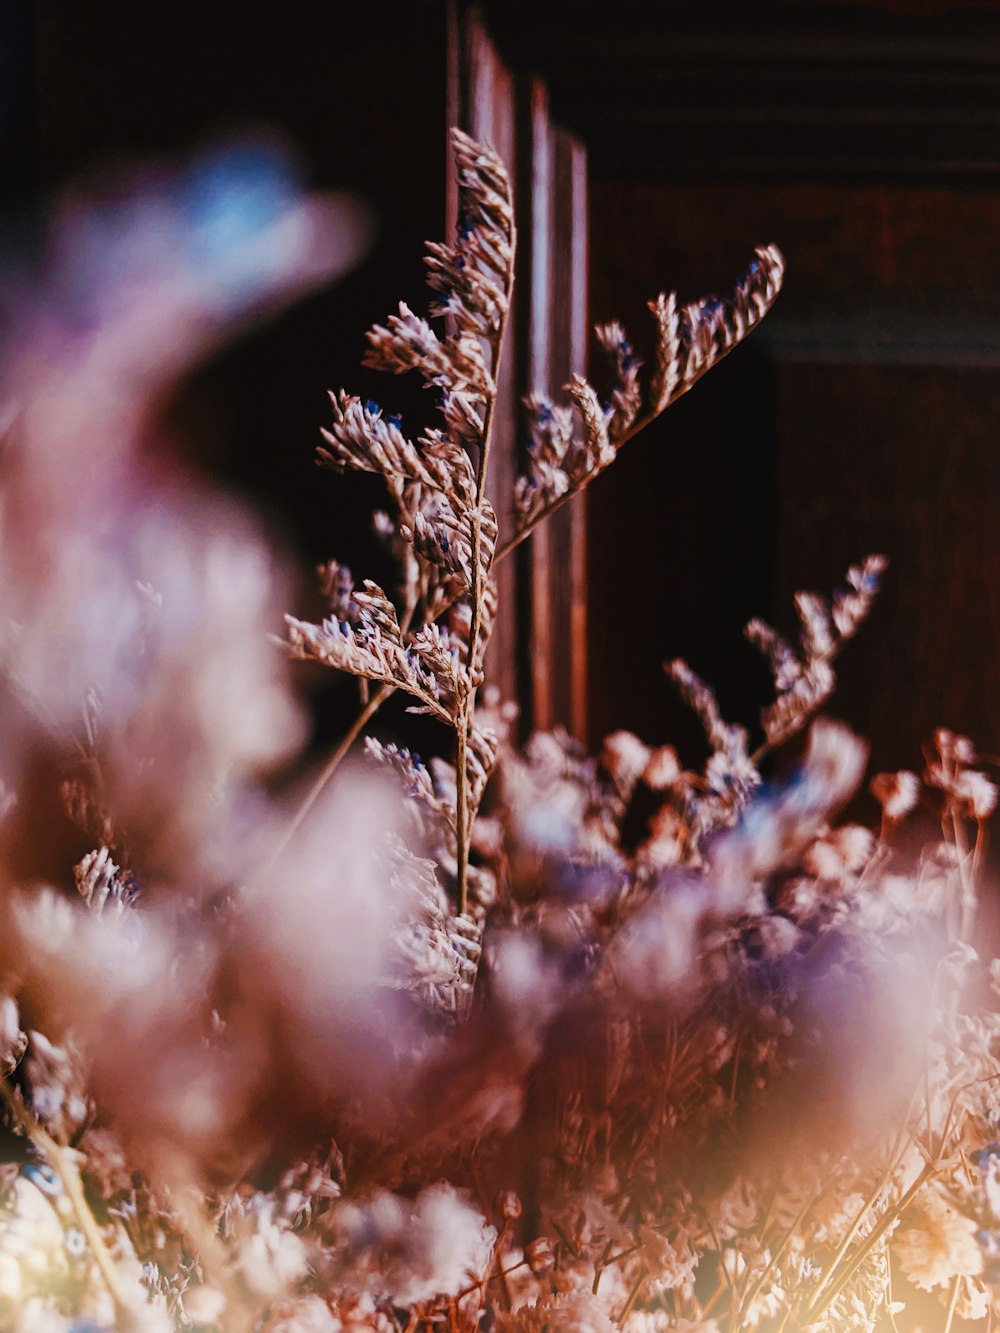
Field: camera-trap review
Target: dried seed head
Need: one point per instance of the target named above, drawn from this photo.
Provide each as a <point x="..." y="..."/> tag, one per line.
<point x="507" y="1206"/>
<point x="540" y="1256"/>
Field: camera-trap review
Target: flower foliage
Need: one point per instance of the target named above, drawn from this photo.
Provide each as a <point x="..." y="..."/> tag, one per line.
<point x="521" y="1039"/>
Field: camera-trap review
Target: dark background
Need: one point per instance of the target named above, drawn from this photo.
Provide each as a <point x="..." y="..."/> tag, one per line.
<point x="863" y="138"/>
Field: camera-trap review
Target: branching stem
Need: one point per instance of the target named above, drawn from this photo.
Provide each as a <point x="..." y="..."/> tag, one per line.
<point x="823" y="1299"/>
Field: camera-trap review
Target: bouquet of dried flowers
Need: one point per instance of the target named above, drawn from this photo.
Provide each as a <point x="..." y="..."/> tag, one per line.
<point x="516" y="1039"/>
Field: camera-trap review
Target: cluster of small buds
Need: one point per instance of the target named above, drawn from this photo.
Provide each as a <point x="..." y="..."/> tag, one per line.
<point x="950" y="769"/>
<point x="337" y="588"/>
<point x="730" y="773"/>
<point x="540" y="1256"/>
<point x="507" y="1206"/>
<point x="897" y="793"/>
<point x="58" y="1096"/>
<point x="101" y="884"/>
<point x="804" y="678"/>
<point x="625" y="396"/>
<point x="13" y="1041"/>
<point x="425" y="665"/>
<point x="625" y="759"/>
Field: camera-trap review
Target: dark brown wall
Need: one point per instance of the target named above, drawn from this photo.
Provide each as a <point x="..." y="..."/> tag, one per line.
<point x="864" y="139"/>
<point x="863" y="416"/>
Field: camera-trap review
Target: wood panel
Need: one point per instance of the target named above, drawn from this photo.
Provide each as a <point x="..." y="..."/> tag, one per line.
<point x="486" y="108"/>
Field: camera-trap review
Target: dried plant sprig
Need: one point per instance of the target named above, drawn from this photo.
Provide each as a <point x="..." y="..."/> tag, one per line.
<point x="741" y="1081"/>
<point x="415" y="781"/>
<point x="445" y="529"/>
<point x="625" y="394"/>
<point x="731" y="775"/>
<point x="439" y="951"/>
<point x="365" y="439"/>
<point x="437" y="483"/>
<point x="805" y="679"/>
<point x="688" y="345"/>
<point x="408" y="342"/>
<point x="426" y="665"/>
<point x="64" y="1163"/>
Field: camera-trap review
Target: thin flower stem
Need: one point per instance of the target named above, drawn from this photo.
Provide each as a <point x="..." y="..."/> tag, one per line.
<point x="713" y="1300"/>
<point x="964" y="1087"/>
<point x="498" y="1275"/>
<point x="968" y="906"/>
<point x="371" y="704"/>
<point x="888" y="1291"/>
<point x="375" y="702"/>
<point x="464" y="814"/>
<point x="462" y="811"/>
<point x="899" y="1145"/>
<point x="633" y="1296"/>
<point x="952" y="1304"/>
<point x="61" y="1161"/>
<point x="761" y="1282"/>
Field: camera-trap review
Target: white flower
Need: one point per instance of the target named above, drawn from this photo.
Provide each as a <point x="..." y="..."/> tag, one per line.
<point x="897" y="793"/>
<point x="271" y="1258"/>
<point x="978" y="792"/>
<point x="430" y="1246"/>
<point x="939" y="1245"/>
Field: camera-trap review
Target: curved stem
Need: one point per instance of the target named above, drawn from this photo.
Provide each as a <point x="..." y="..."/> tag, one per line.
<point x="374" y="703"/>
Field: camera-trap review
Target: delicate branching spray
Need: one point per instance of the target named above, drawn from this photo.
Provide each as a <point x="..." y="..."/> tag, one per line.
<point x="444" y="529"/>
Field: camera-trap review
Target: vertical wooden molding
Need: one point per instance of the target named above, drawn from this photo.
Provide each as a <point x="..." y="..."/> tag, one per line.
<point x="538" y="181"/>
<point x="485" y="107"/>
<point x="538" y="654"/>
<point x="579" y="338"/>
<point x="568" y="353"/>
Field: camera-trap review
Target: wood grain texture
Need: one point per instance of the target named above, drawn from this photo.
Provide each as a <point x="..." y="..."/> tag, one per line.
<point x="661" y="88"/>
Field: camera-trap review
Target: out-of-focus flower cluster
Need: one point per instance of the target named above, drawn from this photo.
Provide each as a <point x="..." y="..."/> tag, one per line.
<point x="523" y="1041"/>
